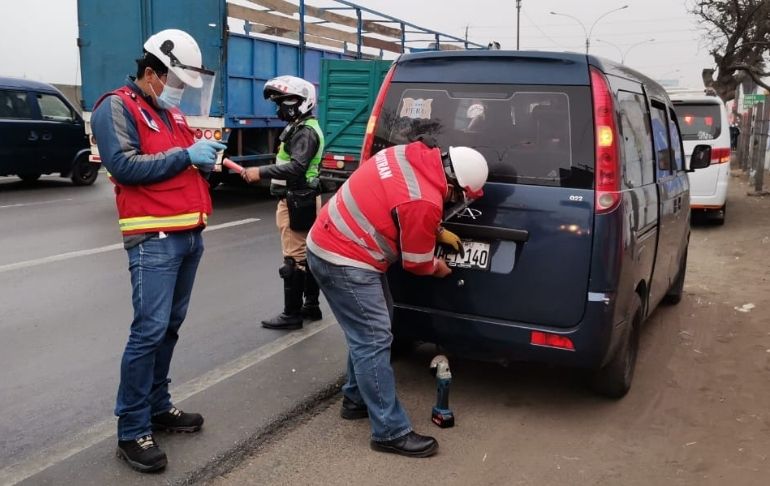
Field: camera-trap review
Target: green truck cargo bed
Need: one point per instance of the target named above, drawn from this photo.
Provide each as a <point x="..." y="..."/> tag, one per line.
<point x="348" y="91"/>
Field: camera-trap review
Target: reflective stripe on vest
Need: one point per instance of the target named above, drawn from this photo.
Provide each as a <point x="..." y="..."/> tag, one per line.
<point x="417" y="257"/>
<point x="406" y="169"/>
<point x="283" y="157"/>
<point x="165" y="222"/>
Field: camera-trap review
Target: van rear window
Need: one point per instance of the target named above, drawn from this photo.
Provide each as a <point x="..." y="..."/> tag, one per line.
<point x="699" y="122"/>
<point x="541" y="135"/>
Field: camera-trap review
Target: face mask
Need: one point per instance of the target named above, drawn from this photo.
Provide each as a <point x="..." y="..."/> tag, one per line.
<point x="169" y="97"/>
<point x="287" y="111"/>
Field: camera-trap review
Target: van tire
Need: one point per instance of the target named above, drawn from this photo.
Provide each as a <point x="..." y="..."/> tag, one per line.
<point x="84" y="173"/>
<point x="719" y="216"/>
<point x="613" y="380"/>
<point x="674" y="294"/>
<point x="29" y="178"/>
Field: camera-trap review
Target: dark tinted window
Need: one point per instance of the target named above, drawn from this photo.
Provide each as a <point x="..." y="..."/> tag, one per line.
<point x="529" y="134"/>
<point x="637" y="139"/>
<point x="699" y="121"/>
<point x="676" y="143"/>
<point x="660" y="137"/>
<point x="13" y="104"/>
<point x="54" y="109"/>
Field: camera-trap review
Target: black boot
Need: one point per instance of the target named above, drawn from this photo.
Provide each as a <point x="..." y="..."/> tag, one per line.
<point x="293" y="281"/>
<point x="142" y="454"/>
<point x="310" y="309"/>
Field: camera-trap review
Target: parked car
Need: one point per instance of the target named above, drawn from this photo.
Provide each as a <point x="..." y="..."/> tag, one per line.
<point x="585" y="220"/>
<point x="41" y="133"/>
<point x="703" y="120"/>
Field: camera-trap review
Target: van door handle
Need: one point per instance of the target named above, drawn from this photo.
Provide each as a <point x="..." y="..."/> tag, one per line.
<point x="488" y="232"/>
<point x="33" y="136"/>
<point x="47" y="136"/>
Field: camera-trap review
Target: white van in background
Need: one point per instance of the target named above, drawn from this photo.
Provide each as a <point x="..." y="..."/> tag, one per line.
<point x="703" y="120"/>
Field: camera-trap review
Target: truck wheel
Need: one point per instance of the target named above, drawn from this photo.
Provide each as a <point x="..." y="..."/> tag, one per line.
<point x="29" y="178"/>
<point x="614" y="379"/>
<point x="674" y="294"/>
<point x="84" y="173"/>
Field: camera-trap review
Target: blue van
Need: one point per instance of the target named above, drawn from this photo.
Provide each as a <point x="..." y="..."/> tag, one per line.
<point x="584" y="224"/>
<point x="42" y="133"/>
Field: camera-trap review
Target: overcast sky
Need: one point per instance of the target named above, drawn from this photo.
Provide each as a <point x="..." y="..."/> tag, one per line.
<point x="38" y="37"/>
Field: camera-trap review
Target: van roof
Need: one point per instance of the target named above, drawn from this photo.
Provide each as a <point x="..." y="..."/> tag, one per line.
<point x="16" y="83"/>
<point x="695" y="98"/>
<point x="571" y="67"/>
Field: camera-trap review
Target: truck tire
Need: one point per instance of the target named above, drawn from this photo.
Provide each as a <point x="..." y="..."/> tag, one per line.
<point x="613" y="380"/>
<point x="84" y="173"/>
<point x="674" y="294"/>
<point x="29" y="178"/>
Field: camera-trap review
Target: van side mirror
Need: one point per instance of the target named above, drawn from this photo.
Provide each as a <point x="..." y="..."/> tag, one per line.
<point x="701" y="157"/>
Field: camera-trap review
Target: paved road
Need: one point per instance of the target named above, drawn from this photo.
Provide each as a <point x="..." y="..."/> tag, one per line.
<point x="696" y="415"/>
<point x="65" y="306"/>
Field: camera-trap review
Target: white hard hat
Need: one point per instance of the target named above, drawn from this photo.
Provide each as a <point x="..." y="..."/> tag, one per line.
<point x="470" y="169"/>
<point x="282" y="87"/>
<point x="179" y="52"/>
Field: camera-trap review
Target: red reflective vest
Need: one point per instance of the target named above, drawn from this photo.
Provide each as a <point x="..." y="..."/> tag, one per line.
<point x="176" y="204"/>
<point x="390" y="206"/>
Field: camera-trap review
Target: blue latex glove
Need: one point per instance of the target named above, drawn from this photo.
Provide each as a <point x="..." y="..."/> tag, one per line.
<point x="203" y="154"/>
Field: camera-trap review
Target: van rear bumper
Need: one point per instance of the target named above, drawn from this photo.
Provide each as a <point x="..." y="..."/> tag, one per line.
<point x="497" y="340"/>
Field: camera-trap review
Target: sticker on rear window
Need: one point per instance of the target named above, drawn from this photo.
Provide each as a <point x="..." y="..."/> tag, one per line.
<point x="416" y="108"/>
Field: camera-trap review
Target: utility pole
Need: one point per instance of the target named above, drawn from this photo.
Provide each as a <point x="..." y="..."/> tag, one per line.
<point x="518" y="22"/>
<point x="466" y="32"/>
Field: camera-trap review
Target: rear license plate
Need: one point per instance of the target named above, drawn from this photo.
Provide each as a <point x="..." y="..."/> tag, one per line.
<point x="476" y="256"/>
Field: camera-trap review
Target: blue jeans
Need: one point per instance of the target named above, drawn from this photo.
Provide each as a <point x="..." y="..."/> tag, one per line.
<point x="362" y="304"/>
<point x="162" y="276"/>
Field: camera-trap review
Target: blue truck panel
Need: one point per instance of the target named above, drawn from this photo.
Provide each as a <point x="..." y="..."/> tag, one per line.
<point x="250" y="63"/>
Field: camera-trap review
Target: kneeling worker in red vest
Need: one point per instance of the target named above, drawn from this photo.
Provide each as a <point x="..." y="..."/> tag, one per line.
<point x="390" y="208"/>
<point x="163" y="201"/>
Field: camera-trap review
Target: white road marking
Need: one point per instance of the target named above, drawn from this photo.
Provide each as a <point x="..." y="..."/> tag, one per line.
<point x="39" y="203"/>
<point x="78" y="442"/>
<point x="103" y="249"/>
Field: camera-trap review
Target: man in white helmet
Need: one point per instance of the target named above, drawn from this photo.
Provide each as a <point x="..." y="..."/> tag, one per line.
<point x="390" y="208"/>
<point x="163" y="202"/>
<point x="295" y="182"/>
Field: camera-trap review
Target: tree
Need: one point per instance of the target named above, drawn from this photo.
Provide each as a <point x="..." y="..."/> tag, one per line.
<point x="738" y="32"/>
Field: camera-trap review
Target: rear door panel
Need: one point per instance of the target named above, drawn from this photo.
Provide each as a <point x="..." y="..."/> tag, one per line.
<point x="543" y="280"/>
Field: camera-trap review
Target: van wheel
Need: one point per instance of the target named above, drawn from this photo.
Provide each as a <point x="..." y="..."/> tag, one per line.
<point x="718" y="216"/>
<point x="28" y="178"/>
<point x="674" y="294"/>
<point x="614" y="379"/>
<point x="84" y="173"/>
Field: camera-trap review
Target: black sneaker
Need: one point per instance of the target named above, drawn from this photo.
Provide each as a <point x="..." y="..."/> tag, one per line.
<point x="142" y="454"/>
<point x="353" y="411"/>
<point x="176" y="420"/>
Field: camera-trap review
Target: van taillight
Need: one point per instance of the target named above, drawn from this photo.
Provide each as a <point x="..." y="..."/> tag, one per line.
<point x="607" y="161"/>
<point x="550" y="340"/>
<point x="720" y="155"/>
<point x="376" y="109"/>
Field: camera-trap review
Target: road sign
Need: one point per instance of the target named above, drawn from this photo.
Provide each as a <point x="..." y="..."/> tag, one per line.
<point x="752" y="99"/>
